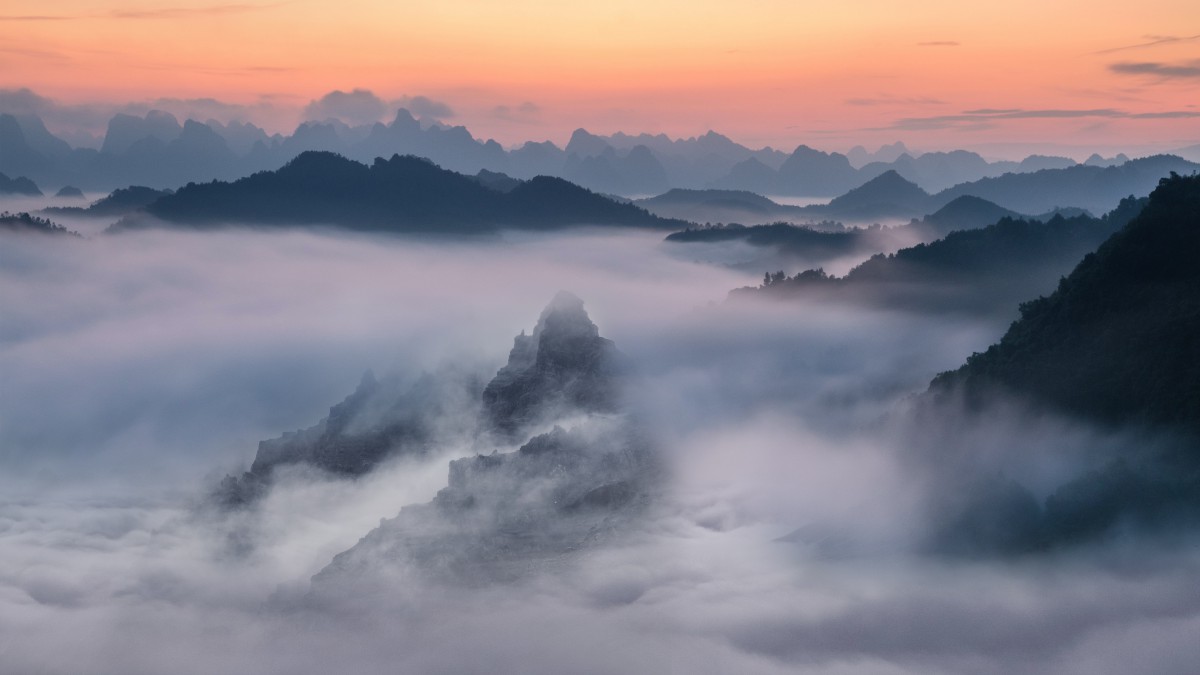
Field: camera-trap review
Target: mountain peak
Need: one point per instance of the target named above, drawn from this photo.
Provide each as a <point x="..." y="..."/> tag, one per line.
<point x="564" y="364"/>
<point x="889" y="187"/>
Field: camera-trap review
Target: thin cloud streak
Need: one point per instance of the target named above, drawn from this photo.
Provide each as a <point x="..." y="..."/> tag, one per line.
<point x="162" y="13"/>
<point x="184" y="12"/>
<point x="1155" y="40"/>
<point x="986" y="116"/>
<point x="35" y="17"/>
<point x="1188" y="70"/>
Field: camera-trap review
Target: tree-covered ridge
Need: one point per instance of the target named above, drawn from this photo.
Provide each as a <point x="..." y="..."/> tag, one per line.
<point x="401" y="194"/>
<point x="23" y="222"/>
<point x="117" y="203"/>
<point x="18" y="186"/>
<point x="986" y="268"/>
<point x="1119" y="340"/>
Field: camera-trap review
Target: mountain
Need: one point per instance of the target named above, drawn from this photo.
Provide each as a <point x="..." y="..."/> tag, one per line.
<point x="967" y="213"/>
<point x="69" y="192"/>
<point x="118" y="203"/>
<point x="403" y="194"/>
<point x="1118" y="345"/>
<point x="503" y="515"/>
<point x="494" y="180"/>
<point x="1119" y="340"/>
<point x="17" y="156"/>
<point x="126" y="130"/>
<point x="18" y="186"/>
<point x="809" y="172"/>
<point x="383" y="419"/>
<point x="989" y="269"/>
<point x="860" y="156"/>
<point x="750" y="174"/>
<point x="718" y="206"/>
<point x="886" y="195"/>
<point x="634" y="172"/>
<point x="23" y="223"/>
<point x="1095" y="188"/>
<point x="563" y="366"/>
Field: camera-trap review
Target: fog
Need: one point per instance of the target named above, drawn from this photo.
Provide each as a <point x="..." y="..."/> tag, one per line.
<point x="138" y="369"/>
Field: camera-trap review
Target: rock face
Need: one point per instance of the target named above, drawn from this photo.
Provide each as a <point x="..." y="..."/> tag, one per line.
<point x="380" y="420"/>
<point x="503" y="516"/>
<point x="563" y="366"/>
<point x="563" y="369"/>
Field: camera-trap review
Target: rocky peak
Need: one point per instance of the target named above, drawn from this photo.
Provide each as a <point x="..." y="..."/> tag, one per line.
<point x="563" y="364"/>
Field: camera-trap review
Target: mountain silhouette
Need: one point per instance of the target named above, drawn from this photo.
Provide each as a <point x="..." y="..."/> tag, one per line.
<point x="1095" y="188"/>
<point x="988" y="269"/>
<point x="1117" y="344"/>
<point x="886" y="195"/>
<point x="810" y="172"/>
<point x="504" y="515"/>
<point x="402" y="194"/>
<point x="119" y="203"/>
<point x="966" y="213"/>
<point x="18" y="186"/>
<point x="1118" y="340"/>
<point x="23" y="223"/>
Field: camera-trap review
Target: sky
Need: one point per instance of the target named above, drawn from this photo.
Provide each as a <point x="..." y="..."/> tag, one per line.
<point x="933" y="73"/>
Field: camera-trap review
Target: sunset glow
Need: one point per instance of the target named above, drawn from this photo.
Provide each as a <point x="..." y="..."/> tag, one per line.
<point x="764" y="72"/>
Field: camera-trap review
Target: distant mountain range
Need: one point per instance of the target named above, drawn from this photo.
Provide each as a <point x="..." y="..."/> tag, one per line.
<point x="788" y="246"/>
<point x="160" y="152"/>
<point x="401" y="194"/>
<point x="891" y="196"/>
<point x="987" y="269"/>
<point x="120" y="202"/>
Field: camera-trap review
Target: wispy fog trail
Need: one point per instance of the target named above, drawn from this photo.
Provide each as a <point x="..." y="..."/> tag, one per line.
<point x="138" y="369"/>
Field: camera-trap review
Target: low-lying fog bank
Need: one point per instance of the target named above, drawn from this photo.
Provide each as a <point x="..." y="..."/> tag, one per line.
<point x="138" y="369"/>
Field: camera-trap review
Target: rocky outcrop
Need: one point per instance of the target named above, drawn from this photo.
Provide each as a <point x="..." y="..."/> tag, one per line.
<point x="563" y="369"/>
<point x="563" y="366"/>
<point x="382" y="419"/>
<point x="504" y="516"/>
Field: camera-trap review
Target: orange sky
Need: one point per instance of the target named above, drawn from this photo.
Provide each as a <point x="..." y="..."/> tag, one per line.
<point x="777" y="72"/>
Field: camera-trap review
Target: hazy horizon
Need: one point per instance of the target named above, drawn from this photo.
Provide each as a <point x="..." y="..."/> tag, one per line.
<point x="937" y="75"/>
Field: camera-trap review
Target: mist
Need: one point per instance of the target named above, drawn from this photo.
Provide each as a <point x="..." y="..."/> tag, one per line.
<point x="140" y="368"/>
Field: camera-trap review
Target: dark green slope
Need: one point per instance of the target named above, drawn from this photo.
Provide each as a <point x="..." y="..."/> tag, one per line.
<point x="1117" y="344"/>
<point x="1119" y="341"/>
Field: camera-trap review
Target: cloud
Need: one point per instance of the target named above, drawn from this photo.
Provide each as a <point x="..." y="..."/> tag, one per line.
<point x="24" y="101"/>
<point x="82" y="121"/>
<point x="188" y="12"/>
<point x="1186" y="70"/>
<point x="1152" y="41"/>
<point x="34" y="17"/>
<point x="157" y="13"/>
<point x="136" y="365"/>
<point x="359" y="106"/>
<point x="895" y="100"/>
<point x="38" y="54"/>
<point x="526" y="112"/>
<point x="985" y="118"/>
<point x="423" y="106"/>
